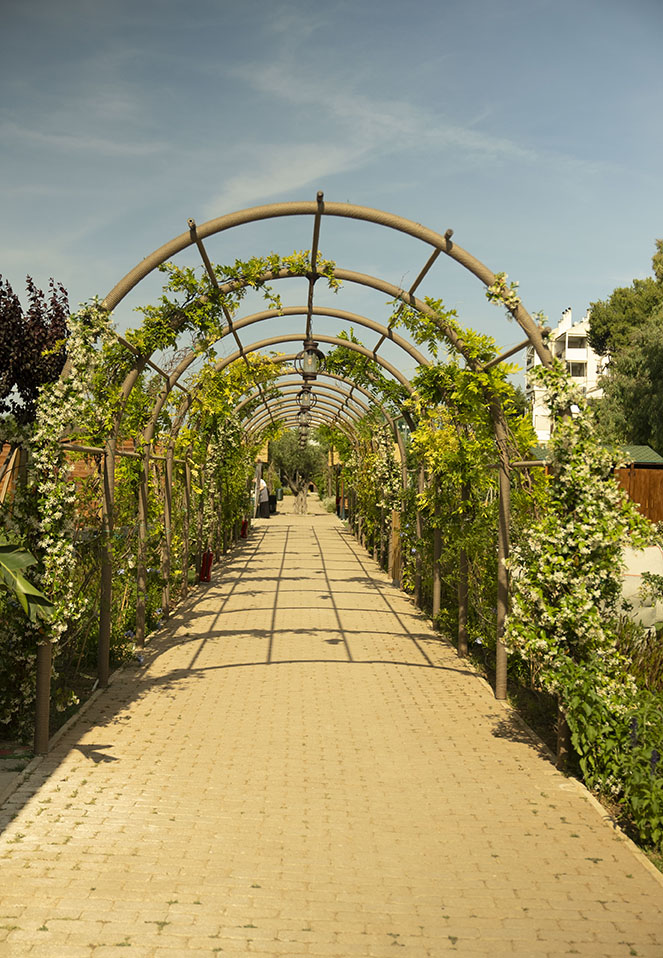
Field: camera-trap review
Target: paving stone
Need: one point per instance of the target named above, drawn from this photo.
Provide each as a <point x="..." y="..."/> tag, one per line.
<point x="301" y="766"/>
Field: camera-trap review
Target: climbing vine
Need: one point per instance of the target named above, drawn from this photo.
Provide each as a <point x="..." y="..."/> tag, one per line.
<point x="567" y="608"/>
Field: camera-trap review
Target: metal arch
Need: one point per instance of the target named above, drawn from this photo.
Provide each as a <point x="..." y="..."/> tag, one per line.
<point x="326" y="403"/>
<point x="332" y="340"/>
<point x="253" y="347"/>
<point x="174" y="377"/>
<point x="287" y="405"/>
<point x="177" y="422"/>
<point x="390" y="421"/>
<point x="343" y="314"/>
<point x="253" y="214"/>
<point x="289" y="422"/>
<point x="291" y="387"/>
<point x="226" y="361"/>
<point x="440" y="244"/>
<point x="334" y="393"/>
<point x="339" y="395"/>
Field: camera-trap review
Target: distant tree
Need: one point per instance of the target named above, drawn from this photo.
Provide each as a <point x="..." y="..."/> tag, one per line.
<point x="629" y="307"/>
<point x="628" y="328"/>
<point x="297" y="465"/>
<point x="32" y="346"/>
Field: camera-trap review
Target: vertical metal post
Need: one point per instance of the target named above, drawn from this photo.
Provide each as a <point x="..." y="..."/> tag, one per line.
<point x="421" y="484"/>
<point x="462" y="602"/>
<point x="106" y="578"/>
<point x="437" y="555"/>
<point x="43" y="696"/>
<point x="167" y="528"/>
<point x="502" y="573"/>
<point x="199" y="520"/>
<point x="141" y="559"/>
<point x="214" y="525"/>
<point x="391" y="545"/>
<point x="463" y="567"/>
<point x="186" y="521"/>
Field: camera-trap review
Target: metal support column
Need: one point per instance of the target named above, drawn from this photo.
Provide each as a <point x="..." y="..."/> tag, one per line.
<point x="43" y="697"/>
<point x="419" y="529"/>
<point x="502" y="573"/>
<point x="141" y="559"/>
<point x="437" y="555"/>
<point x="106" y="577"/>
<point x="167" y="529"/>
<point x="186" y="523"/>
<point x="463" y="567"/>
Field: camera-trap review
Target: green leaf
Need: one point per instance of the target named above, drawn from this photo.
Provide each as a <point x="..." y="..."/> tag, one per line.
<point x="13" y="559"/>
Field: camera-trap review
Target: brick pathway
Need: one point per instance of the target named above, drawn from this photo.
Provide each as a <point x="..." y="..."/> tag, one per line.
<point x="301" y="767"/>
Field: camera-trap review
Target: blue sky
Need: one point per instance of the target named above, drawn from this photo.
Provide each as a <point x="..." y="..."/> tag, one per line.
<point x="533" y="128"/>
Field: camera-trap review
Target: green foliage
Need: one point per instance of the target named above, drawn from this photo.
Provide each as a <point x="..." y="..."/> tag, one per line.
<point x="58" y="520"/>
<point x="566" y="610"/>
<point x="455" y="444"/>
<point x="620" y="750"/>
<point x="298" y="466"/>
<point x="631" y="410"/>
<point x="628" y="327"/>
<point x="613" y="321"/>
<point x="13" y="561"/>
<point x="643" y="649"/>
<point x="365" y="372"/>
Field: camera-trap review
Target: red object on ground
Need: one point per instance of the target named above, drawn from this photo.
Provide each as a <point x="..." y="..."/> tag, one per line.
<point x="244" y="531"/>
<point x="206" y="566"/>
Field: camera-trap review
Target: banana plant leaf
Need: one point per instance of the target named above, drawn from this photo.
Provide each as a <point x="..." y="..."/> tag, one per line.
<point x="13" y="560"/>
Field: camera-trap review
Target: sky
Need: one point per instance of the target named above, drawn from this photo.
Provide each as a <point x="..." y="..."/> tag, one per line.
<point x="532" y="128"/>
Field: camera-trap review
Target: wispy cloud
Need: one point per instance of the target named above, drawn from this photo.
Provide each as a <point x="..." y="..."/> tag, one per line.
<point x="282" y="169"/>
<point x="339" y="131"/>
<point x="75" y="142"/>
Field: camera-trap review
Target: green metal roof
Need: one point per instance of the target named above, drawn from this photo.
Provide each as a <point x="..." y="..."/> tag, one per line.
<point x="640" y="455"/>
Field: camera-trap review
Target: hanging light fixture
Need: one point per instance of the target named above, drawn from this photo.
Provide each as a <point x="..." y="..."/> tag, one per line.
<point x="309" y="361"/>
<point x="304" y="417"/>
<point x="306" y="397"/>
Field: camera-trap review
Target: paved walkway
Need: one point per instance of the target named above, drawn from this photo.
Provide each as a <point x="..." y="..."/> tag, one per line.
<point x="301" y="767"/>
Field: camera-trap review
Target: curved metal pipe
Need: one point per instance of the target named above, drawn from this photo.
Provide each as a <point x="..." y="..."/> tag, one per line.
<point x="316" y="208"/>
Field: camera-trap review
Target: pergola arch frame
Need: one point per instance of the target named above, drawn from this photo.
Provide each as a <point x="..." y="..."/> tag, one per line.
<point x="485" y="275"/>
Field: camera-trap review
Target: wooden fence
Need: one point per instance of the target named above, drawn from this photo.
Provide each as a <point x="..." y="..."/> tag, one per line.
<point x="644" y="485"/>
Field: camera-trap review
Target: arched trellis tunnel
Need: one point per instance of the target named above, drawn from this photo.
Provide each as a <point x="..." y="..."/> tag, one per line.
<point x="264" y="403"/>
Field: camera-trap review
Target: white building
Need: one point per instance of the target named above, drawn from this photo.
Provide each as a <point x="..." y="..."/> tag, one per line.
<point x="568" y="341"/>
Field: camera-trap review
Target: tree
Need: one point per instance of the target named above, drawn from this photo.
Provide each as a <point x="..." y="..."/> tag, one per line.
<point x="298" y="465"/>
<point x="628" y="327"/>
<point x="32" y="346"/>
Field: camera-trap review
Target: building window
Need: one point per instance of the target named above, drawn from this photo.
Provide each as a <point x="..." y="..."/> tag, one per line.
<point x="576" y="342"/>
<point x="577" y="370"/>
